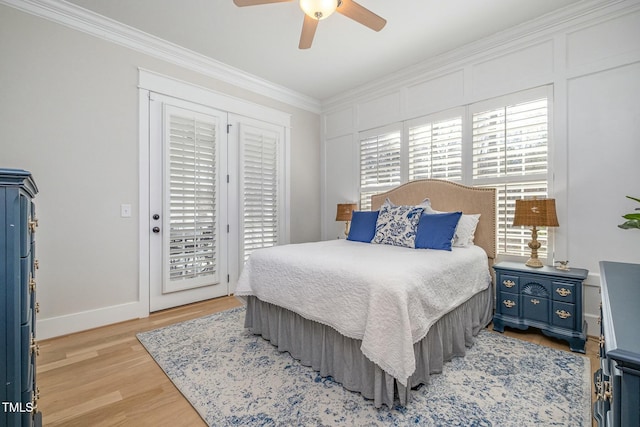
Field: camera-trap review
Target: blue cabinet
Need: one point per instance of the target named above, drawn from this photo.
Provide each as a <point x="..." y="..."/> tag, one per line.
<point x="544" y="298"/>
<point x="617" y="382"/>
<point x="18" y="346"/>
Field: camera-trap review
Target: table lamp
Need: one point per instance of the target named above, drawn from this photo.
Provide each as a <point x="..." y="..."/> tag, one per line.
<point x="535" y="213"/>
<point x="344" y="214"/>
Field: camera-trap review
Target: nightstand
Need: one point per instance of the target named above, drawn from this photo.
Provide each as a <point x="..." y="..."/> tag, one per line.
<point x="545" y="298"/>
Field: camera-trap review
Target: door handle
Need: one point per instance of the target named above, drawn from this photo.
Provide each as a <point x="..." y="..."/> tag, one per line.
<point x="156" y="229"/>
<point x="156" y="217"/>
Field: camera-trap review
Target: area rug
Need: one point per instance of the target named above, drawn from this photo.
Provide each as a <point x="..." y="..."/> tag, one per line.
<point x="232" y="377"/>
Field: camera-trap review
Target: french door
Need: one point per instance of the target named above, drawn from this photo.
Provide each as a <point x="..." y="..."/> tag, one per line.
<point x="217" y="192"/>
<point x="187" y="203"/>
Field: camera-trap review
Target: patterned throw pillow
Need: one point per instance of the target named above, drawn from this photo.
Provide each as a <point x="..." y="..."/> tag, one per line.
<point x="396" y="225"/>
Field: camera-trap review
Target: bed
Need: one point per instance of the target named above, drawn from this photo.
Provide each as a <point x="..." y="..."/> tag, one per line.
<point x="379" y="319"/>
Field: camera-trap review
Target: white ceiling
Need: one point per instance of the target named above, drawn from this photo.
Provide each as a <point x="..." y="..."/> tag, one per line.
<point x="263" y="40"/>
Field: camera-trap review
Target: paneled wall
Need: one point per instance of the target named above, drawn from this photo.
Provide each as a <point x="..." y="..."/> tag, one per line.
<point x="591" y="57"/>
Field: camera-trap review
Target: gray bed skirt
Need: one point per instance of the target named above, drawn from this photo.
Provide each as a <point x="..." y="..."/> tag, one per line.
<point x="332" y="354"/>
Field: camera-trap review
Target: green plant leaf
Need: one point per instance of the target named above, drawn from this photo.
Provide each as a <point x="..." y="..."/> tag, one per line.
<point x="634" y="223"/>
<point x="632" y="216"/>
<point x="633" y="198"/>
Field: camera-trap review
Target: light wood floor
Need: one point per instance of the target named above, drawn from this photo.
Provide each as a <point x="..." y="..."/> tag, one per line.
<point x="104" y="377"/>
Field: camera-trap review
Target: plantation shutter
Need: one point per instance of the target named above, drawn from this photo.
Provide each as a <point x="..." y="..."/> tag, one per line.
<point x="435" y="150"/>
<point x="510" y="153"/>
<point x="260" y="187"/>
<point x="192" y="208"/>
<point x="380" y="168"/>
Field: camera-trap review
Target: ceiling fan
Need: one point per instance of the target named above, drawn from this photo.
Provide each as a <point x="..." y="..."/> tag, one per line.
<point x="316" y="10"/>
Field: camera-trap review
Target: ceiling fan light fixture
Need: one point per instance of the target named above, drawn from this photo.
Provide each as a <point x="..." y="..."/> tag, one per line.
<point x="318" y="9"/>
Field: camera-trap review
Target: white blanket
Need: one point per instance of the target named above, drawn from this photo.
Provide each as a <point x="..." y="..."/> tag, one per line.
<point x="386" y="296"/>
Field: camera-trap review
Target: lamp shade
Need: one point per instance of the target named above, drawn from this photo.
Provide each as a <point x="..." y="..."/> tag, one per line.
<point x="345" y="210"/>
<point x="536" y="212"/>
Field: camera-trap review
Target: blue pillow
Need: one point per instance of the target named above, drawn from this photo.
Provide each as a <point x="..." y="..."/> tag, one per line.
<point x="363" y="226"/>
<point x="435" y="231"/>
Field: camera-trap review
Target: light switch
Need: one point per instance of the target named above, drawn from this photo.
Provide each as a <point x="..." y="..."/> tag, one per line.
<point x="125" y="211"/>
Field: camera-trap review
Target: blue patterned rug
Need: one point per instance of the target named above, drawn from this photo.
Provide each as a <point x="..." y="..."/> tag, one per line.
<point x="233" y="378"/>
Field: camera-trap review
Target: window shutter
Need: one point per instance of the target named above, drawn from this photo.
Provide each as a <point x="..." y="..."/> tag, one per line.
<point x="380" y="167"/>
<point x="193" y="210"/>
<point x="435" y="150"/>
<point x="510" y="151"/>
<point x="260" y="188"/>
<point x="511" y="141"/>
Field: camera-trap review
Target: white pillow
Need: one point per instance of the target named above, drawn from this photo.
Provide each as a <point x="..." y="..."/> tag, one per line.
<point x="465" y="230"/>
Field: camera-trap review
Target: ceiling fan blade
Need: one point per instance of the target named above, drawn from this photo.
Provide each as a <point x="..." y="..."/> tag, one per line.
<point x="361" y="14"/>
<point x="242" y="3"/>
<point x="308" y="31"/>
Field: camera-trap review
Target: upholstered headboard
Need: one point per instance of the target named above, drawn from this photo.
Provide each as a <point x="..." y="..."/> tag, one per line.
<point x="450" y="196"/>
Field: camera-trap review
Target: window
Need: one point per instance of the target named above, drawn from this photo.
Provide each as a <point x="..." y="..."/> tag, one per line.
<point x="435" y="150"/>
<point x="380" y="168"/>
<point x="260" y="187"/>
<point x="504" y="145"/>
<point x="193" y="200"/>
<point x="510" y="153"/>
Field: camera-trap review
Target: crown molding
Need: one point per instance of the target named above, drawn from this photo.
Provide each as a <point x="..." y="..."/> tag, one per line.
<point x="497" y="44"/>
<point x="80" y="19"/>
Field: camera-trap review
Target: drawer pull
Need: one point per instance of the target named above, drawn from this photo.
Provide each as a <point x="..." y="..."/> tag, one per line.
<point x="509" y="283"/>
<point x="607" y="391"/>
<point x="508" y="303"/>
<point x="35" y="348"/>
<point x="563" y="292"/>
<point x="598" y="387"/>
<point x="563" y="314"/>
<point x="535" y="301"/>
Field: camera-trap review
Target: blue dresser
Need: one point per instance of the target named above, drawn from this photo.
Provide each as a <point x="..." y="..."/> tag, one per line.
<point x="617" y="382"/>
<point x="18" y="307"/>
<point x="544" y="298"/>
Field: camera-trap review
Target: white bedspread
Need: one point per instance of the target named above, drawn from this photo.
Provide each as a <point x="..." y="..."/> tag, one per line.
<point x="386" y="296"/>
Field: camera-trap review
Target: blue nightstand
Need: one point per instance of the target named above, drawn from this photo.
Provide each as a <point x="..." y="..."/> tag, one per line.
<point x="545" y="298"/>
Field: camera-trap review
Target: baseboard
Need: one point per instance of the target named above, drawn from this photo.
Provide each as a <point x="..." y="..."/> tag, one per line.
<point x="76" y="322"/>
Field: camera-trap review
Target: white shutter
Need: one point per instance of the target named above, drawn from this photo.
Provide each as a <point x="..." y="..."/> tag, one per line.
<point x="191" y="213"/>
<point x="435" y="150"/>
<point x="380" y="167"/>
<point x="510" y="153"/>
<point x="511" y="140"/>
<point x="260" y="187"/>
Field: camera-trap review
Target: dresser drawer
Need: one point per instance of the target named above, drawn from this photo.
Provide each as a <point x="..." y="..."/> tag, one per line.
<point x="535" y="308"/>
<point x="26" y="362"/>
<point x="535" y="286"/>
<point x="25" y="293"/>
<point x="28" y="408"/>
<point x="25" y="230"/>
<point x="565" y="292"/>
<point x="509" y="283"/>
<point x="602" y="405"/>
<point x="509" y="304"/>
<point x="563" y="315"/>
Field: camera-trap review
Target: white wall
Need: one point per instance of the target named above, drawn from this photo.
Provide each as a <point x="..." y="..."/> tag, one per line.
<point x="69" y="114"/>
<point x="591" y="56"/>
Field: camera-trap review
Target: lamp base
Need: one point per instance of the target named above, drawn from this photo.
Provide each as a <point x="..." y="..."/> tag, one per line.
<point x="533" y="262"/>
<point x="534" y="245"/>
